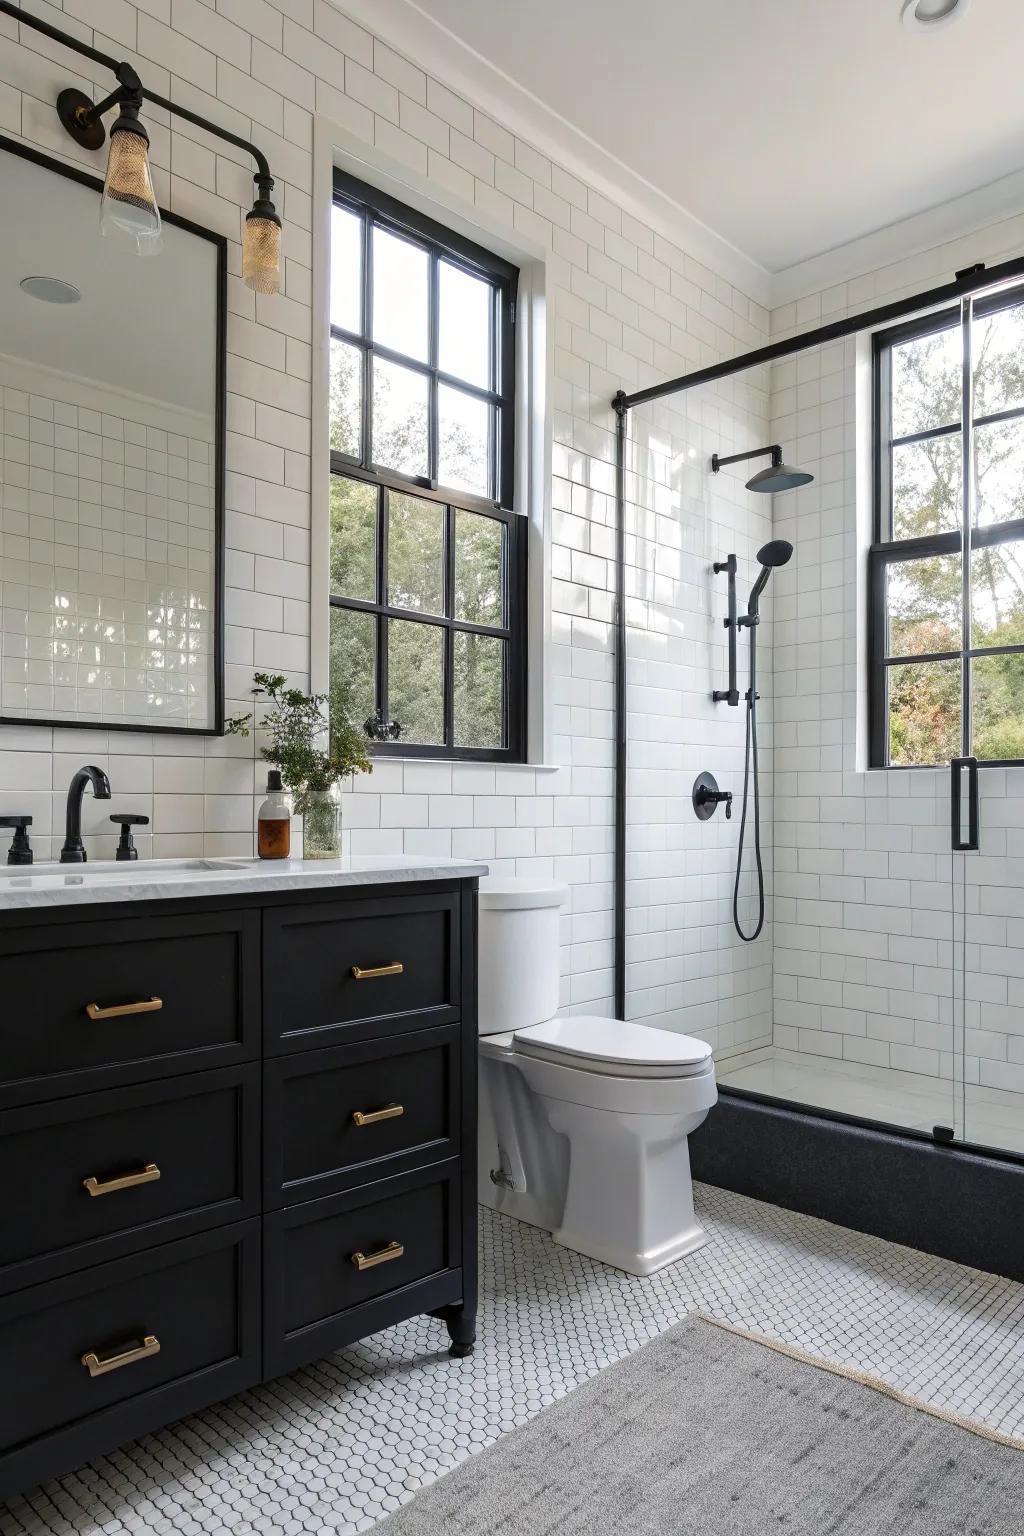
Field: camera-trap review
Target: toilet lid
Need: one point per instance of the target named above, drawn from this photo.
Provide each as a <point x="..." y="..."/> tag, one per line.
<point x="614" y="1047"/>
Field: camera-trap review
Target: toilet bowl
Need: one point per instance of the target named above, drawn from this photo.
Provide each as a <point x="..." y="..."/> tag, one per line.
<point x="584" y="1120"/>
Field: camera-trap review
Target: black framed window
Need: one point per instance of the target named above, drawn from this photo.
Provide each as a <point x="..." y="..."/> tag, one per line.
<point x="428" y="555"/>
<point x="946" y="569"/>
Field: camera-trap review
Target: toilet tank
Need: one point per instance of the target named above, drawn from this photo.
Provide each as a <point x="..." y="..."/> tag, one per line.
<point x="518" y="952"/>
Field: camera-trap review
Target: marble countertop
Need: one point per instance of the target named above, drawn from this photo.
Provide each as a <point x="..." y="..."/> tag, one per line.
<point x="60" y="885"/>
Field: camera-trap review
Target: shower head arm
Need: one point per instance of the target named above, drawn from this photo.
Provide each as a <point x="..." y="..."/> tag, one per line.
<point x="718" y="462"/>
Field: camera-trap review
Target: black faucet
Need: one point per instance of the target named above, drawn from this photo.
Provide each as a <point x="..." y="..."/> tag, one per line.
<point x="73" y="851"/>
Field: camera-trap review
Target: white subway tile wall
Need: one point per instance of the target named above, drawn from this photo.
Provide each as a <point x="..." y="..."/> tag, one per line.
<point x="687" y="969"/>
<point x="889" y="950"/>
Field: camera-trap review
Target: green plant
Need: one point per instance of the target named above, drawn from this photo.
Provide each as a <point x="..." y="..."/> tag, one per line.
<point x="296" y="725"/>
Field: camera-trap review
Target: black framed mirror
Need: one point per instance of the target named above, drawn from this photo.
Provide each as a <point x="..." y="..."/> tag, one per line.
<point x="112" y="400"/>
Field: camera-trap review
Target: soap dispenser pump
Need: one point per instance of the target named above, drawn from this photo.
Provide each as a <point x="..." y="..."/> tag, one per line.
<point x="274" y="821"/>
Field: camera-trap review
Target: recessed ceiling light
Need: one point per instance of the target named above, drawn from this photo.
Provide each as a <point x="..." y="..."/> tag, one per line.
<point x="932" y="15"/>
<point x="51" y="290"/>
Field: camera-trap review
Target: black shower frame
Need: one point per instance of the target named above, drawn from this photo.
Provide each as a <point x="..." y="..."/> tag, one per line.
<point x="968" y="281"/>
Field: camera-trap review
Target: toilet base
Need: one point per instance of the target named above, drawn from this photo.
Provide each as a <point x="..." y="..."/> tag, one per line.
<point x="648" y="1263"/>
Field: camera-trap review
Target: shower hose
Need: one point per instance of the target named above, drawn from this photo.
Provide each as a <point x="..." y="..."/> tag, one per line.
<point x="750" y="751"/>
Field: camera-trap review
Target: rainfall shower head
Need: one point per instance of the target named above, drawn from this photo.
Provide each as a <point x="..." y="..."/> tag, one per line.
<point x="777" y="477"/>
<point x="778" y="552"/>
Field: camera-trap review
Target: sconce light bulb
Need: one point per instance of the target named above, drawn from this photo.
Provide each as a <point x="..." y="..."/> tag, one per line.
<point x="261" y="243"/>
<point x="128" y="207"/>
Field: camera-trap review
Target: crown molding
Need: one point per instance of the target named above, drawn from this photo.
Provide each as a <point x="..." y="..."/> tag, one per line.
<point x="425" y="42"/>
<point x="406" y="27"/>
<point x="925" y="231"/>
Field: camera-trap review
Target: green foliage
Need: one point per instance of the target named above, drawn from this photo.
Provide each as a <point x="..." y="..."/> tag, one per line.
<point x="296" y="726"/>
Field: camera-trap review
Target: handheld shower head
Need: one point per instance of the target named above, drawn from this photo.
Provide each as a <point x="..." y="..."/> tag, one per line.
<point x="778" y="552"/>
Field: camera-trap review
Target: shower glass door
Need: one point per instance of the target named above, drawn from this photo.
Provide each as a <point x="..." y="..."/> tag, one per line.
<point x="988" y="808"/>
<point x="989" y="968"/>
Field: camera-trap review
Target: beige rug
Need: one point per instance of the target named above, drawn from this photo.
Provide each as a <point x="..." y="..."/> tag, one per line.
<point x="708" y="1431"/>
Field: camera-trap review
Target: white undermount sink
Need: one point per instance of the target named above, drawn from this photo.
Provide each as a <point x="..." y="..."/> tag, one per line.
<point x="49" y="876"/>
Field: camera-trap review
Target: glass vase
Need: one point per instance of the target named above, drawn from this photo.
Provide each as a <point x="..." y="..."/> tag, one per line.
<point x="321" y="824"/>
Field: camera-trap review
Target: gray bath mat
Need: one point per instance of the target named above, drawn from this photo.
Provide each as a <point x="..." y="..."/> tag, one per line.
<point x="707" y="1431"/>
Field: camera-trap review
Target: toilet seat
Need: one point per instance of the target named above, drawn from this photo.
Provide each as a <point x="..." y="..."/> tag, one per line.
<point x="611" y="1047"/>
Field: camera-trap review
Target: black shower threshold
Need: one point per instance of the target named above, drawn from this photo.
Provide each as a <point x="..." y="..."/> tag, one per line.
<point x="952" y="1201"/>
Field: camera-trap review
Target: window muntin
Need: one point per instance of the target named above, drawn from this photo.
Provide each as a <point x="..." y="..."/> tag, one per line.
<point x="947" y="632"/>
<point x="427" y="556"/>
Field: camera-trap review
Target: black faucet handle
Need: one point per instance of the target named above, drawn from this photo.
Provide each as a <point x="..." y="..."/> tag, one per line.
<point x="126" y="849"/>
<point x="20" y="851"/>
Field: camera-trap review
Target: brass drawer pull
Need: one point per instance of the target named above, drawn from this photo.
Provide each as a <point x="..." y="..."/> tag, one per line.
<point x="362" y="1117"/>
<point x="122" y="1010"/>
<point x="382" y="1256"/>
<point x="95" y="1186"/>
<point x="99" y="1365"/>
<point x="394" y="969"/>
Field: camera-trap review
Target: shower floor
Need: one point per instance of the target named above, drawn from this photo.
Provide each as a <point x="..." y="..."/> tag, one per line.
<point x="986" y="1117"/>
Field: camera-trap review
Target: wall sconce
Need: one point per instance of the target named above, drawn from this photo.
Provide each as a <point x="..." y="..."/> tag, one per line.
<point x="129" y="207"/>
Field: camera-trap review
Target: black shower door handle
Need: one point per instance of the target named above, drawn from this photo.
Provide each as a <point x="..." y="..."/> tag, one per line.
<point x="960" y="844"/>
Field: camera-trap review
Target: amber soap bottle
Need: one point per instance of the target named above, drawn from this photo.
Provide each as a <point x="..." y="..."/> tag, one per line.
<point x="274" y="823"/>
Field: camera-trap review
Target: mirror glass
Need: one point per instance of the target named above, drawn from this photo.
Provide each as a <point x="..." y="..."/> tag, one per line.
<point x="111" y="465"/>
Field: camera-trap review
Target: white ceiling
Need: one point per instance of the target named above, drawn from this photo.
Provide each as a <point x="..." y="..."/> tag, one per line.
<point x="789" y="127"/>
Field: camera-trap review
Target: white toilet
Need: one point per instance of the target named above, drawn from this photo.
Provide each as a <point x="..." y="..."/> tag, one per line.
<point x="584" y="1120"/>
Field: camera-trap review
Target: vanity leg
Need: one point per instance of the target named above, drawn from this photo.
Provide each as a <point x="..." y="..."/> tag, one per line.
<point x="461" y="1325"/>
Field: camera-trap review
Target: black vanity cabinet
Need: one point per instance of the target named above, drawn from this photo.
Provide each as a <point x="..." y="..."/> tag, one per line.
<point x="236" y="1133"/>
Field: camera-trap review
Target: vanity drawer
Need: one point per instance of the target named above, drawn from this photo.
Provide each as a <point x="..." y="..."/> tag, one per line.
<point x="197" y="1299"/>
<point x="165" y="1159"/>
<point x="71" y="1017"/>
<point x="356" y="1113"/>
<point x="346" y="970"/>
<point x="338" y="1269"/>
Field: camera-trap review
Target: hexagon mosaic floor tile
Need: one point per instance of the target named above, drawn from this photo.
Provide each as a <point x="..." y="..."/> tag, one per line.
<point x="339" y="1445"/>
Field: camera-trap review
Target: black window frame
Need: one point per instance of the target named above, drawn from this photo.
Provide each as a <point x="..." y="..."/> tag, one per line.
<point x="378" y="208"/>
<point x="886" y="551"/>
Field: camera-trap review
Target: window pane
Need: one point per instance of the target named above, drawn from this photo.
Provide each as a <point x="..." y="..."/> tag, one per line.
<point x="479" y="664"/>
<point x="346" y="269"/>
<point x="416" y="680"/>
<point x="353" y="664"/>
<point x="999" y="472"/>
<point x="479" y="568"/>
<point x="399" y="418"/>
<point x="924" y="713"/>
<point x="400" y="294"/>
<point x="925" y="606"/>
<point x="346" y="399"/>
<point x="465" y="326"/>
<point x="926" y="481"/>
<point x="997" y="706"/>
<point x="926" y="381"/>
<point x="464" y="440"/>
<point x="997" y="594"/>
<point x="353" y="538"/>
<point x="997" y="343"/>
<point x="415" y="553"/>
